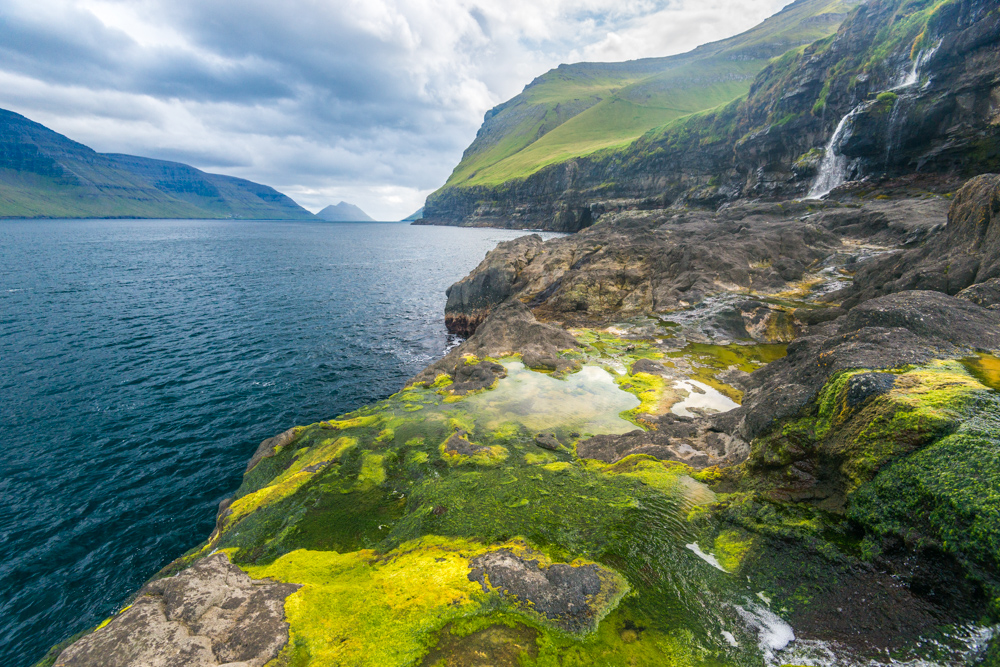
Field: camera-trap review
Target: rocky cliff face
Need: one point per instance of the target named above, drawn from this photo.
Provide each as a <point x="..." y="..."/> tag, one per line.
<point x="904" y="86"/>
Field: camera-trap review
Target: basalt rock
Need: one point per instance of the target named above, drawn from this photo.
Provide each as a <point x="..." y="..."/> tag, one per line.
<point x="569" y="596"/>
<point x="476" y="377"/>
<point x="964" y="253"/>
<point x="510" y="329"/>
<point x="985" y="294"/>
<point x="208" y="615"/>
<point x="471" y="299"/>
<point x="907" y="328"/>
<point x="634" y="264"/>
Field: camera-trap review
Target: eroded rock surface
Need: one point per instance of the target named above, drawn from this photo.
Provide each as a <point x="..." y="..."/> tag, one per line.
<point x="964" y="253"/>
<point x="512" y="329"/>
<point x="640" y="263"/>
<point x="569" y="596"/>
<point x="209" y="615"/>
<point x="893" y="331"/>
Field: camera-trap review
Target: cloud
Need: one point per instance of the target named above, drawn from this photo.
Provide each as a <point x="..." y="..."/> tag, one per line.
<point x="371" y="101"/>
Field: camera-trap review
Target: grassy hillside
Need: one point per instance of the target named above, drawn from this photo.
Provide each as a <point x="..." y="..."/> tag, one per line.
<point x="44" y="174"/>
<point x="575" y="110"/>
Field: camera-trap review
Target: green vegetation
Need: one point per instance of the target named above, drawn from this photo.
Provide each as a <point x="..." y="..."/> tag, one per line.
<point x="577" y="110"/>
<point x="917" y="463"/>
<point x="45" y="175"/>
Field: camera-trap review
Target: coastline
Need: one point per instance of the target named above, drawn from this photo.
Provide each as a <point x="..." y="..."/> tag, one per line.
<point x="383" y="494"/>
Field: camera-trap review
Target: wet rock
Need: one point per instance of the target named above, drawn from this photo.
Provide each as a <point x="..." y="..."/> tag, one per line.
<point x="459" y="443"/>
<point x="813" y="316"/>
<point x="887" y="332"/>
<point x="208" y="615"/>
<point x="476" y="377"/>
<point x="547" y="441"/>
<point x="675" y="438"/>
<point x="268" y="447"/>
<point x="768" y="325"/>
<point x="866" y="385"/>
<point x="568" y="596"/>
<point x="510" y="329"/>
<point x="649" y="366"/>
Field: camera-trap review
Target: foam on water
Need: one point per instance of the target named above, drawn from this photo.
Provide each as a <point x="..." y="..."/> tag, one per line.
<point x="708" y="558"/>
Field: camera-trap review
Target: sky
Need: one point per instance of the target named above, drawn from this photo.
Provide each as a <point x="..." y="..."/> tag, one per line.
<point x="366" y="101"/>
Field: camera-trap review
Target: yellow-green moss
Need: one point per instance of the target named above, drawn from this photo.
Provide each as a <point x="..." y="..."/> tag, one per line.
<point x="539" y="458"/>
<point x="731" y="547"/>
<point x="485" y="455"/>
<point x="362" y="609"/>
<point x="292" y="479"/>
<point x="372" y="471"/>
<point x="441" y="381"/>
<point x="354" y="422"/>
<point x="648" y="388"/>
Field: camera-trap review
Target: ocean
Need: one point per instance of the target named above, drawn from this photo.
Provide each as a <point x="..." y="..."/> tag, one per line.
<point x="141" y="362"/>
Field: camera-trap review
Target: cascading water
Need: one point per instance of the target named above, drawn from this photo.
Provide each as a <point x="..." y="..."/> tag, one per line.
<point x="833" y="168"/>
<point x="911" y="78"/>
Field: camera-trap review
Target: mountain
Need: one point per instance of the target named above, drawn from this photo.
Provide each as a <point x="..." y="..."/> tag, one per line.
<point x="43" y="174"/>
<point x="416" y="215"/>
<point x="344" y="212"/>
<point x="575" y="110"/>
<point x="910" y="79"/>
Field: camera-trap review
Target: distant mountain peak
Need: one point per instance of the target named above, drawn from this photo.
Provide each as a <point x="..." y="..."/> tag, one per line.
<point x="344" y="212"/>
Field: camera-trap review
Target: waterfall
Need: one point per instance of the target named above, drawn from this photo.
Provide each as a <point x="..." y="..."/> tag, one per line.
<point x="833" y="168"/>
<point x="911" y="78"/>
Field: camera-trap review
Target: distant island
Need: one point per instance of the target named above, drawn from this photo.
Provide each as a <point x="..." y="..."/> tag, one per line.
<point x="344" y="212"/>
<point x="44" y="174"/>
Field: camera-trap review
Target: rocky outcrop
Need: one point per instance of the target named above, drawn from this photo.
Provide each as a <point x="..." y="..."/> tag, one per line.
<point x="208" y="615"/>
<point x="953" y="258"/>
<point x="572" y="597"/>
<point x="907" y="328"/>
<point x="492" y="283"/>
<point x="510" y="329"/>
<point x="661" y="261"/>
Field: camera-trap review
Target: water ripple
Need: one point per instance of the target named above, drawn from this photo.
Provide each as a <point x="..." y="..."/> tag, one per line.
<point x="141" y="363"/>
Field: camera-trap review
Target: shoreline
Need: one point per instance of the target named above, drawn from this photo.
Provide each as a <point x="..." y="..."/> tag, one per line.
<point x="385" y="481"/>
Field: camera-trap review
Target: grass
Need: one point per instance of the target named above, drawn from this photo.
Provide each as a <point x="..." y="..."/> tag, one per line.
<point x="577" y="110"/>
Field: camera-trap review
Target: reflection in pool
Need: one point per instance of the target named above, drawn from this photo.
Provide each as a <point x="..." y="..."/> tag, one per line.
<point x="700" y="397"/>
<point x="587" y="402"/>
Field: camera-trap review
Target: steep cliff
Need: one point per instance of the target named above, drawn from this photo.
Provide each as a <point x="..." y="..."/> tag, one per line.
<point x="903" y="86"/>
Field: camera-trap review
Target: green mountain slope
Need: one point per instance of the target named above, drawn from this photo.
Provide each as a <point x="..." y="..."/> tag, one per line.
<point x="46" y="175"/>
<point x="575" y="110"/>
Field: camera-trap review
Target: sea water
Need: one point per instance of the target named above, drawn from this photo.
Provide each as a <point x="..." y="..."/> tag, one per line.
<point x="141" y="362"/>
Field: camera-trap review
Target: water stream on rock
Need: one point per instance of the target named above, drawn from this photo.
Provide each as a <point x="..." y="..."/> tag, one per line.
<point x="834" y="167"/>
